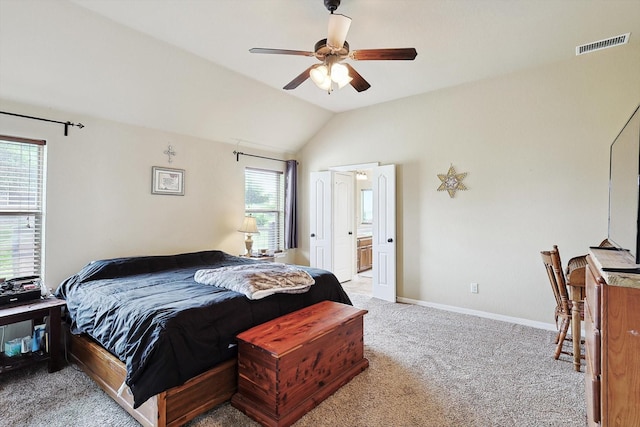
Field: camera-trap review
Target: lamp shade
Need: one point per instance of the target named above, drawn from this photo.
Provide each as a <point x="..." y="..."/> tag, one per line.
<point x="249" y="225"/>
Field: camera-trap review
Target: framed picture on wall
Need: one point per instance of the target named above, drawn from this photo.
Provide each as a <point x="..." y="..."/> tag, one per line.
<point x="167" y="181"/>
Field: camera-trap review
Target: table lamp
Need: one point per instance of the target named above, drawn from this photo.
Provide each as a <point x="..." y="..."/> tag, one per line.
<point x="249" y="227"/>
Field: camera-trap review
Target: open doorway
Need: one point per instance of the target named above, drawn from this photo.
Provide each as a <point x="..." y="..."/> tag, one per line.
<point x="327" y="218"/>
<point x="362" y="280"/>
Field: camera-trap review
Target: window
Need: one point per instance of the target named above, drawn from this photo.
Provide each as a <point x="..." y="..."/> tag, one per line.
<point x="264" y="199"/>
<point x="21" y="194"/>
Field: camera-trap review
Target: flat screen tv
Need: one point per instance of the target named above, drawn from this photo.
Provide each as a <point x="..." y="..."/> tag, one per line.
<point x="624" y="188"/>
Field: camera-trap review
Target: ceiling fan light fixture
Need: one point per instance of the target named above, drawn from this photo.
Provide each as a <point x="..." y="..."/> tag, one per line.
<point x="344" y="82"/>
<point x="338" y="29"/>
<point x="324" y="80"/>
<point x="319" y="74"/>
<point x="325" y="84"/>
<point x="339" y="72"/>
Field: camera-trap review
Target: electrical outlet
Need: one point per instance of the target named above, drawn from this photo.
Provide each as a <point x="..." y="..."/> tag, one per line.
<point x="474" y="288"/>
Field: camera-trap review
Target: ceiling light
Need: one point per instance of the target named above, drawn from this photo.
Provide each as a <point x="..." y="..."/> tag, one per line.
<point x="345" y="82"/>
<point x="339" y="72"/>
<point x="325" y="84"/>
<point x="324" y="80"/>
<point x="340" y="75"/>
<point x="318" y="74"/>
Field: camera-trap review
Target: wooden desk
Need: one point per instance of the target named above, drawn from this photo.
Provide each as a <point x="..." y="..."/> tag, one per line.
<point x="32" y="310"/>
<point x="577" y="296"/>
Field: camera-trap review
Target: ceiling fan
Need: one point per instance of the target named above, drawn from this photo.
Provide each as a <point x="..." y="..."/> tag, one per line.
<point x="332" y="51"/>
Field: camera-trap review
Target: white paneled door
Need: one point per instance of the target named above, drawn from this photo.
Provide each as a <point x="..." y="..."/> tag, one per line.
<point x="321" y="242"/>
<point x="343" y="226"/>
<point x="384" y="233"/>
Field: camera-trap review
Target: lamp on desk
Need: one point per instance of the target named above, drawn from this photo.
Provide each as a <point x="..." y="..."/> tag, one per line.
<point x="249" y="226"/>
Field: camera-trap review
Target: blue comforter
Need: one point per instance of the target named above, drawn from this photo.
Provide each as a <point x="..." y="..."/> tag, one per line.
<point x="151" y="314"/>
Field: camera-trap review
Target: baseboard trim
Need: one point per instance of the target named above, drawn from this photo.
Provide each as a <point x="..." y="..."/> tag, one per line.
<point x="485" y="314"/>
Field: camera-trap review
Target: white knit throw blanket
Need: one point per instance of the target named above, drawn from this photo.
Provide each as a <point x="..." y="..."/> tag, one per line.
<point x="257" y="280"/>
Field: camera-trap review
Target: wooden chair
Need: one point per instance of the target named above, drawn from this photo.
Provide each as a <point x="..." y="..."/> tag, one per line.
<point x="553" y="265"/>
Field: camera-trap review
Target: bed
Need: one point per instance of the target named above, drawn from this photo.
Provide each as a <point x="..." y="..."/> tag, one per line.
<point x="160" y="343"/>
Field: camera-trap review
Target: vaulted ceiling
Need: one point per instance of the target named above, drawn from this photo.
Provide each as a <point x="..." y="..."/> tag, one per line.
<point x="48" y="50"/>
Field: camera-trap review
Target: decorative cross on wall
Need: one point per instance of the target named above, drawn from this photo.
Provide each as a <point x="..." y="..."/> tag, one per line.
<point x="169" y="152"/>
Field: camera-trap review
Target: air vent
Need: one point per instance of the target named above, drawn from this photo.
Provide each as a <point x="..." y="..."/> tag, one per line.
<point x="602" y="44"/>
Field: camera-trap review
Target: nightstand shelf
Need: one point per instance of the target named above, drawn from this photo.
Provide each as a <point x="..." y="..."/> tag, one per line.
<point x="16" y="362"/>
<point x="260" y="258"/>
<point x="34" y="310"/>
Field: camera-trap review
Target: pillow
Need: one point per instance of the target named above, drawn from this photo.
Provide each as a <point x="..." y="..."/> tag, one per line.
<point x="130" y="266"/>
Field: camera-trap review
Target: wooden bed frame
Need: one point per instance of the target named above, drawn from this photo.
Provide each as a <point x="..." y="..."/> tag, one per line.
<point x="170" y="408"/>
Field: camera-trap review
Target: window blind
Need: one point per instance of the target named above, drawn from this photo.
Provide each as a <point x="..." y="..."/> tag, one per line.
<point x="21" y="201"/>
<point x="264" y="200"/>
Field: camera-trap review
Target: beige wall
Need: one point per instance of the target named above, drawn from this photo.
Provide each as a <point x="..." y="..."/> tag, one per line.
<point x="60" y="55"/>
<point x="99" y="202"/>
<point x="535" y="146"/>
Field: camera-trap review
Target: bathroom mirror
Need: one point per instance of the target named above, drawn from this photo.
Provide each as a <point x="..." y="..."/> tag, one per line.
<point x="366" y="206"/>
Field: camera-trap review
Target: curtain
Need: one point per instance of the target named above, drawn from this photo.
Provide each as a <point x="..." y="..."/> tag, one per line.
<point x="290" y="205"/>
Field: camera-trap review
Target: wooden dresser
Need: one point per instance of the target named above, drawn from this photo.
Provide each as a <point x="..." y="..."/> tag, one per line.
<point x="612" y="341"/>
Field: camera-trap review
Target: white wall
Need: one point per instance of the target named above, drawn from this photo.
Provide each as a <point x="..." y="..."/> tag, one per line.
<point x="535" y="145"/>
<point x="99" y="202"/>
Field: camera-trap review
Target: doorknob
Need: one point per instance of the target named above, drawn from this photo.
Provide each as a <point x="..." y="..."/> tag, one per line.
<point x="313" y="234"/>
<point x="350" y="233"/>
<point x="390" y="240"/>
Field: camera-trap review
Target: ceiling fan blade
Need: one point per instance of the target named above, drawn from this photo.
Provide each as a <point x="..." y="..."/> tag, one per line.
<point x="407" y="54"/>
<point x="298" y="80"/>
<point x="338" y="29"/>
<point x="358" y="82"/>
<point x="281" y="51"/>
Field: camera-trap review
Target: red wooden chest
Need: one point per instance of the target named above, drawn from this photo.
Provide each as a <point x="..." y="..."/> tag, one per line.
<point x="287" y="366"/>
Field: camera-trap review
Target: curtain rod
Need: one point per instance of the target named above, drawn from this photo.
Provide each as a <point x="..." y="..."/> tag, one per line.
<point x="240" y="153"/>
<point x="66" y="124"/>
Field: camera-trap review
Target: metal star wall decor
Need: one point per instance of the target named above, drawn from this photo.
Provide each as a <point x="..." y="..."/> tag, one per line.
<point x="452" y="181"/>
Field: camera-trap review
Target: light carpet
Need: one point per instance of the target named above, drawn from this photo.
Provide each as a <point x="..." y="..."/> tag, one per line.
<point x="428" y="367"/>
